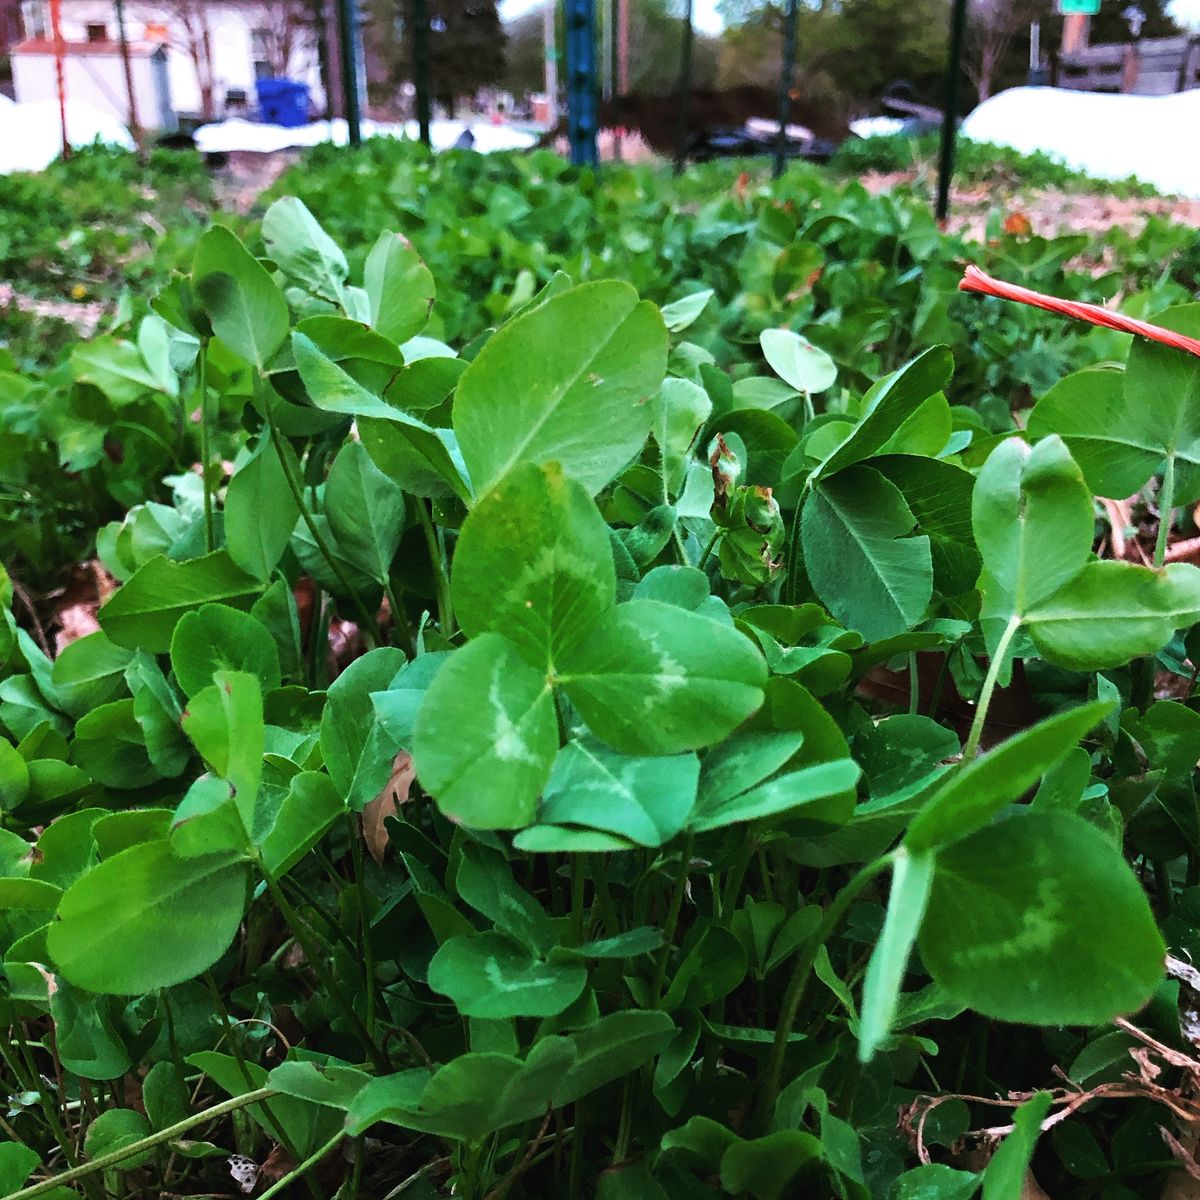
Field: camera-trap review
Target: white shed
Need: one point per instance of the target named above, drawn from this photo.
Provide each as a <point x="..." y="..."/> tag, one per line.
<point x="93" y="72"/>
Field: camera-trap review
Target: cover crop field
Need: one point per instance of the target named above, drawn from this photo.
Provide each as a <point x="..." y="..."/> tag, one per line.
<point x="519" y="685"/>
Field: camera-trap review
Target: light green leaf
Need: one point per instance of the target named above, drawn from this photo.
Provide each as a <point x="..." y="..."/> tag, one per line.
<point x="533" y="562"/>
<point x="973" y="793"/>
<point x="365" y="510"/>
<point x="332" y="389"/>
<point x="1032" y="515"/>
<point x="887" y="405"/>
<point x="679" y="314"/>
<point x="568" y="381"/>
<point x="400" y="288"/>
<point x="1037" y="918"/>
<point x="225" y="723"/>
<point x="1005" y="1177"/>
<point x="486" y="736"/>
<point x="260" y="511"/>
<point x="145" y="919"/>
<point x="652" y="678"/>
<point x="89" y="672"/>
<point x="797" y="361"/>
<point x="142" y="613"/>
<point x="298" y="245"/>
<point x="912" y="878"/>
<point x="489" y="975"/>
<point x="870" y="575"/>
<point x="645" y="800"/>
<point x="1112" y="612"/>
<point x="219" y="638"/>
<point x="247" y="311"/>
<point x="357" y="749"/>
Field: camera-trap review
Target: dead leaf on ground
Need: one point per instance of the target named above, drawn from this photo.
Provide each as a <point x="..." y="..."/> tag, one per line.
<point x="387" y="804"/>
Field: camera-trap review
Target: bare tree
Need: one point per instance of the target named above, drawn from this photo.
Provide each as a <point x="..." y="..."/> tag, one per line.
<point x="285" y="26"/>
<point x="991" y="27"/>
<point x="190" y="32"/>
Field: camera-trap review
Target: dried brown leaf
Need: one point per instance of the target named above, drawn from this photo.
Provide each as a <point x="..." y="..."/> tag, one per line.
<point x="387" y="804"/>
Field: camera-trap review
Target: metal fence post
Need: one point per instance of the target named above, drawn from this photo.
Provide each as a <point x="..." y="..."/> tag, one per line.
<point x="786" y="73"/>
<point x="348" y="37"/>
<point x="581" y="81"/>
<point x="420" y="13"/>
<point x="958" y="27"/>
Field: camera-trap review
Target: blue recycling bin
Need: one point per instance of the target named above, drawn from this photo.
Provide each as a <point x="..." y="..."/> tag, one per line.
<point x="282" y="102"/>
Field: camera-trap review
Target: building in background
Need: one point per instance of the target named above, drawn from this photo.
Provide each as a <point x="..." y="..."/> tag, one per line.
<point x="211" y="53"/>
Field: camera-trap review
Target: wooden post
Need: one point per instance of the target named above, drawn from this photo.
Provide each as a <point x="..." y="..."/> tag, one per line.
<point x="59" y="72"/>
<point x="1075" y="32"/>
<point x="134" y="125"/>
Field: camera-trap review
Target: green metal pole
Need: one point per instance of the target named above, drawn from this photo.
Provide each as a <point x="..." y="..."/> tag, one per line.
<point x="787" y="71"/>
<point x="348" y="37"/>
<point x="683" y="93"/>
<point x="958" y="26"/>
<point x="420" y="14"/>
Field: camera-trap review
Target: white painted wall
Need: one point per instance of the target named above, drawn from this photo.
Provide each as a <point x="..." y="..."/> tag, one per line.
<point x="95" y="79"/>
<point x="233" y="56"/>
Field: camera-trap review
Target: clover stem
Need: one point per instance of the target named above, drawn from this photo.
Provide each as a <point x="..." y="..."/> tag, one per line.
<point x="115" y="1157"/>
<point x="444" y="602"/>
<point x="369" y="630"/>
<point x="292" y="919"/>
<point x="989" y="686"/>
<point x="708" y="549"/>
<point x="794" y="995"/>
<point x="672" y="920"/>
<point x="360" y="887"/>
<point x="310" y="1162"/>
<point x="1166" y="501"/>
<point x="210" y="541"/>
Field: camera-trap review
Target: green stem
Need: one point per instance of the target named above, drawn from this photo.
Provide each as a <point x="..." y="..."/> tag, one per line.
<point x="115" y="1157"/>
<point x="608" y="910"/>
<point x="791" y="585"/>
<point x="914" y="684"/>
<point x="310" y="1162"/>
<point x="279" y="1133"/>
<point x="444" y="602"/>
<point x="578" y="879"/>
<point x="989" y="686"/>
<point x="1166" y="501"/>
<point x="708" y="549"/>
<point x="672" y="920"/>
<point x="794" y="994"/>
<point x="294" y="923"/>
<point x="368" y="951"/>
<point x="400" y="621"/>
<point x="369" y="630"/>
<point x="210" y="539"/>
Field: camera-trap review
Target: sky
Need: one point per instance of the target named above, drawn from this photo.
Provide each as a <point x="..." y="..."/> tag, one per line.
<point x="1187" y="12"/>
<point x="704" y="12"/>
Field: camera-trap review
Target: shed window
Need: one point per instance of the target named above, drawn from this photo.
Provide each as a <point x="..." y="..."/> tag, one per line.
<point x="97" y="33"/>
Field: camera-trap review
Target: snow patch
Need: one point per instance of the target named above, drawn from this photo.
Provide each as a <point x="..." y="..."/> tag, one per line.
<point x="1108" y="136"/>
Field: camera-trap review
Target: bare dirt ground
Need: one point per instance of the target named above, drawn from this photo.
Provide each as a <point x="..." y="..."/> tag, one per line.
<point x="1049" y="211"/>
